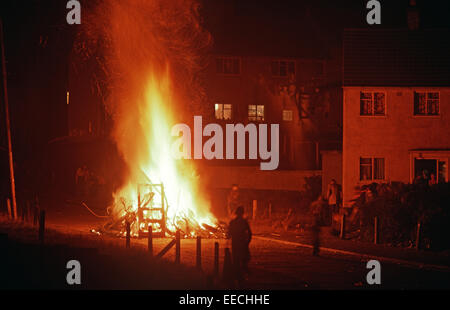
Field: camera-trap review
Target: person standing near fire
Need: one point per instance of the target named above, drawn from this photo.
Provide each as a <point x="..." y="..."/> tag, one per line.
<point x="333" y="196"/>
<point x="240" y="233"/>
<point x="233" y="200"/>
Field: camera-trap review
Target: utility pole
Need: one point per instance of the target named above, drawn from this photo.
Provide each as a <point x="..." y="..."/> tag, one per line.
<point x="8" y="124"/>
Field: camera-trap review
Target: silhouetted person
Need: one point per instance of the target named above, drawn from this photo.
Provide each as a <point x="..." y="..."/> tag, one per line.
<point x="333" y="196"/>
<point x="241" y="235"/>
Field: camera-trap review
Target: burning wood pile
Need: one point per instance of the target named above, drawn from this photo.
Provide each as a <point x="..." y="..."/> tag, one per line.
<point x="151" y="213"/>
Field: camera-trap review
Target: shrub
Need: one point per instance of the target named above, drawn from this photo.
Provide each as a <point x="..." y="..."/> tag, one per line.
<point x="399" y="207"/>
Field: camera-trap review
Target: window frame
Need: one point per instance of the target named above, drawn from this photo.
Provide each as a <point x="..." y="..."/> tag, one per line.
<point x="372" y="166"/>
<point x="287" y="120"/>
<point x="278" y="61"/>
<point x="223" y="110"/>
<point x="372" y="92"/>
<point x="426" y="92"/>
<point x="256" y="119"/>
<point x="223" y="58"/>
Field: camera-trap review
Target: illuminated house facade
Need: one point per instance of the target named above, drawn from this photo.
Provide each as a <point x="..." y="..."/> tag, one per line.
<point x="396" y="106"/>
<point x="291" y="91"/>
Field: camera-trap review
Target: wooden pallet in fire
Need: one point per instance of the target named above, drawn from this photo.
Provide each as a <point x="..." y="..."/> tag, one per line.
<point x="152" y="209"/>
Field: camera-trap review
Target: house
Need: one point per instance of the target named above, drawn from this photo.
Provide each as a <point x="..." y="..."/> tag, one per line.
<point x="396" y="106"/>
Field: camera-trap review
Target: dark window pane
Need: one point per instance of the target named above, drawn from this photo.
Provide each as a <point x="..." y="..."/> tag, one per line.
<point x="379" y="104"/>
<point x="378" y="169"/>
<point x="365" y="169"/>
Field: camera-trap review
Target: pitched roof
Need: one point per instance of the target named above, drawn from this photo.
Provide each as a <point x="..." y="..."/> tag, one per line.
<point x="396" y="57"/>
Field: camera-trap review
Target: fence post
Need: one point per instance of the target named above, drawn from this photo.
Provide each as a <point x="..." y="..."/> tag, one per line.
<point x="177" y="246"/>
<point x="41" y="226"/>
<point x="375" y="230"/>
<point x="227" y="273"/>
<point x="255" y="208"/>
<point x="216" y="259"/>
<point x="342" y="234"/>
<point x="418" y="236"/>
<point x="150" y="240"/>
<point x="199" y="252"/>
<point x="15" y="211"/>
<point x="128" y="233"/>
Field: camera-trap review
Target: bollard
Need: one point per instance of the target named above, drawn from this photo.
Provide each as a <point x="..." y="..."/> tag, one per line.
<point x="270" y="210"/>
<point x="177" y="247"/>
<point x="342" y="233"/>
<point x="418" y="236"/>
<point x="375" y="230"/>
<point x="15" y="211"/>
<point x="41" y="226"/>
<point x="216" y="259"/>
<point x="128" y="236"/>
<point x="255" y="209"/>
<point x="8" y="204"/>
<point x="199" y="252"/>
<point x="150" y="240"/>
<point x="227" y="272"/>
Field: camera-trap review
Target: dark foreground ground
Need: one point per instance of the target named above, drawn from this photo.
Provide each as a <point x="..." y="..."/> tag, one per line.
<point x="278" y="262"/>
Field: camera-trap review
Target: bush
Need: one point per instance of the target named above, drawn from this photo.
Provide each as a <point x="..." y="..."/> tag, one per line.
<point x="399" y="207"/>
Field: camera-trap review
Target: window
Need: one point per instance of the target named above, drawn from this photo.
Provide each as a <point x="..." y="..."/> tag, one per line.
<point x="287" y="115"/>
<point x="222" y="111"/>
<point x="255" y="112"/>
<point x="426" y="103"/>
<point x="371" y="169"/>
<point x="283" y="68"/>
<point x="372" y="104"/>
<point x="228" y="65"/>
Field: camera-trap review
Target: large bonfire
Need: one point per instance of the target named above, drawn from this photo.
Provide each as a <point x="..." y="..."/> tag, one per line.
<point x="149" y="51"/>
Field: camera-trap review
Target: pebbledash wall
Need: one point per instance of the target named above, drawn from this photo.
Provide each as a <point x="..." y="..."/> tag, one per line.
<point x="399" y="136"/>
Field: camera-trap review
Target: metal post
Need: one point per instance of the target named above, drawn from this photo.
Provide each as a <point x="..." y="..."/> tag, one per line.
<point x="150" y="240"/>
<point x="270" y="210"/>
<point x="418" y="236"/>
<point x="128" y="236"/>
<point x="255" y="208"/>
<point x="177" y="246"/>
<point x="342" y="234"/>
<point x="199" y="252"/>
<point x="41" y="226"/>
<point x="8" y="125"/>
<point x="216" y="259"/>
<point x="375" y="230"/>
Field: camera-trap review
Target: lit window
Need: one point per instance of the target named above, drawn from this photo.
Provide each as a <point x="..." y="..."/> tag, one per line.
<point x="256" y="112"/>
<point x="228" y="65"/>
<point x="371" y="169"/>
<point x="426" y="103"/>
<point x="222" y="111"/>
<point x="372" y="103"/>
<point x="287" y="115"/>
<point x="283" y="68"/>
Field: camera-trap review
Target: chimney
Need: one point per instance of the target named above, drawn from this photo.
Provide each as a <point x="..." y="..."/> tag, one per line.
<point x="413" y="15"/>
